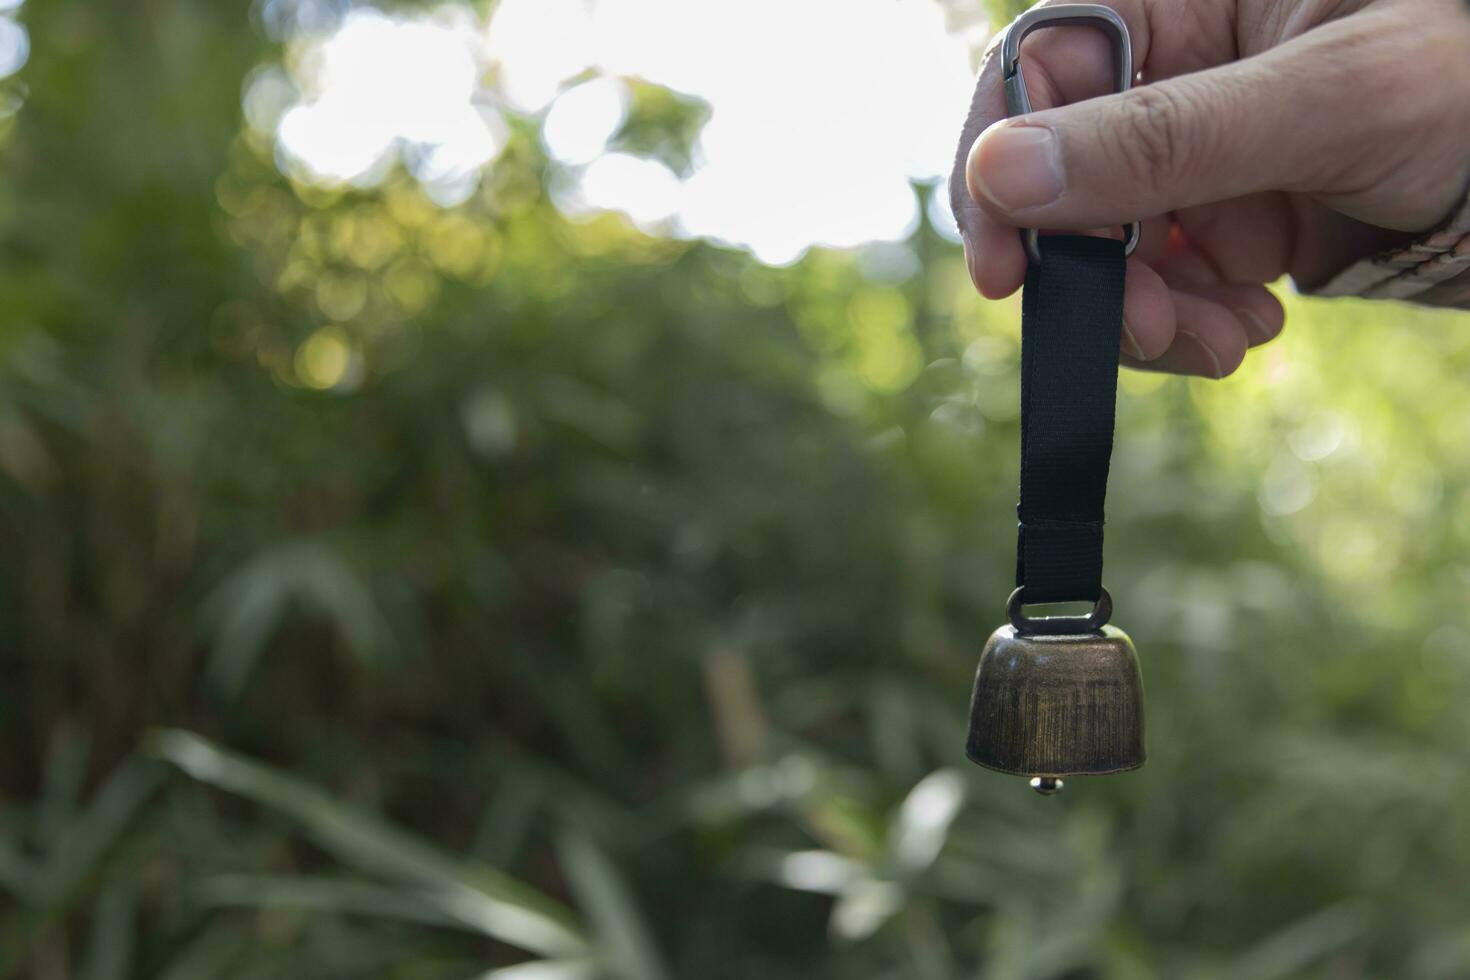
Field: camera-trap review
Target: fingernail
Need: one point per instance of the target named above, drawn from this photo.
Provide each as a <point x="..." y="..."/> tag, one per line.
<point x="1256" y="328"/>
<point x="1130" y="344"/>
<point x="1209" y="364"/>
<point x="1019" y="167"/>
<point x="970" y="261"/>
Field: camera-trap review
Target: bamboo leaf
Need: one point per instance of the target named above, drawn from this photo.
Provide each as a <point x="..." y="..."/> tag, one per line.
<point x="88" y="837"/>
<point x="339" y="895"/>
<point x="545" y="970"/>
<point x="623" y="936"/>
<point x="249" y="606"/>
<point x="921" y="826"/>
<point x="208" y="956"/>
<point x="110" y="951"/>
<point x="1289" y="951"/>
<point x="66" y="767"/>
<point x="476" y="895"/>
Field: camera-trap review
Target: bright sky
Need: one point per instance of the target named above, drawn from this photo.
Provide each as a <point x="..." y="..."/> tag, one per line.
<point x="823" y="111"/>
<point x="15" y="42"/>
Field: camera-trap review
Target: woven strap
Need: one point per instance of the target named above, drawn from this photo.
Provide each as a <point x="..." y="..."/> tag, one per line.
<point x="1071" y="320"/>
<point x="1434" y="270"/>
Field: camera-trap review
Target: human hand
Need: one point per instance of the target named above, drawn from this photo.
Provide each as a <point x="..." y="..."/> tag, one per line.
<point x="1268" y="137"/>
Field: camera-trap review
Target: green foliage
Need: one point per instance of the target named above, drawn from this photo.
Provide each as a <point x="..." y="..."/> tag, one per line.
<point x="404" y="592"/>
<point x="662" y="124"/>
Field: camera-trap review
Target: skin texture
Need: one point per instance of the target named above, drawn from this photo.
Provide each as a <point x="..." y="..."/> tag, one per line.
<point x="1265" y="138"/>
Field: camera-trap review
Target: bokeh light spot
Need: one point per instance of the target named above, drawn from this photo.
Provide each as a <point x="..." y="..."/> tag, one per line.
<point x="583" y="119"/>
<point x="324" y="360"/>
<point x="412" y="284"/>
<point x="645" y="190"/>
<point x="382" y="88"/>
<point x="15" y="46"/>
<point x="341" y="297"/>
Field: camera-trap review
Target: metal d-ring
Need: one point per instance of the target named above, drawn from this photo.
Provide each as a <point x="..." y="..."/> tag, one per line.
<point x="1032" y="238"/>
<point x="1093" y="622"/>
<point x="1018" y="100"/>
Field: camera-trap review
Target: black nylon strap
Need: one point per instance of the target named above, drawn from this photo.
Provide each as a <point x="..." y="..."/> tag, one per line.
<point x="1071" y="318"/>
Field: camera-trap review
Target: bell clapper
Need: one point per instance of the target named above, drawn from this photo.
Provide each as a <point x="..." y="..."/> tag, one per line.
<point x="1047" y="785"/>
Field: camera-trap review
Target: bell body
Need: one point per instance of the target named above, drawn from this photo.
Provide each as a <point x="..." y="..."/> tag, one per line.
<point x="1054" y="706"/>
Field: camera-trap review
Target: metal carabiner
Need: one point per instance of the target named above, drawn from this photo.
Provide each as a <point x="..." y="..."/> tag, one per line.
<point x="1018" y="102"/>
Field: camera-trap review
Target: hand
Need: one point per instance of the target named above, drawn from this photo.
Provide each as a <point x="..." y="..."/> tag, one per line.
<point x="1270" y="137"/>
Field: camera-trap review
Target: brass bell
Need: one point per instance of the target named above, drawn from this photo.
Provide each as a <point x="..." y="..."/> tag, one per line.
<point x="1057" y="697"/>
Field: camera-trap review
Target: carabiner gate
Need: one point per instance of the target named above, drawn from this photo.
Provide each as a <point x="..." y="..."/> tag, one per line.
<point x="1018" y="102"/>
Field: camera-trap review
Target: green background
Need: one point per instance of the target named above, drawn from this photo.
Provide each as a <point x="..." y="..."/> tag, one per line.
<point x="390" y="591"/>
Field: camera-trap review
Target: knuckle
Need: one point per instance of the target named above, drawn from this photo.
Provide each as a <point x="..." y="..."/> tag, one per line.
<point x="1152" y="132"/>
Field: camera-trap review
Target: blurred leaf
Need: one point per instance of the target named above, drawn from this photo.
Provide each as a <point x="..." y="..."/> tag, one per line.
<point x="208" y="956"/>
<point x="921" y="826"/>
<point x="545" y="970"/>
<point x="84" y="841"/>
<point x="1304" y="942"/>
<point x="864" y="907"/>
<point x="849" y="825"/>
<point x="110" y="950"/>
<point x="507" y="822"/>
<point x="821" y="872"/>
<point x="625" y="945"/>
<point x="478" y="896"/>
<point x="66" y="767"/>
<point x="251" y="604"/>
<point x="343" y="896"/>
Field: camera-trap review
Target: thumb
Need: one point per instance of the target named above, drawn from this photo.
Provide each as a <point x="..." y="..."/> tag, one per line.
<point x="1194" y="139"/>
